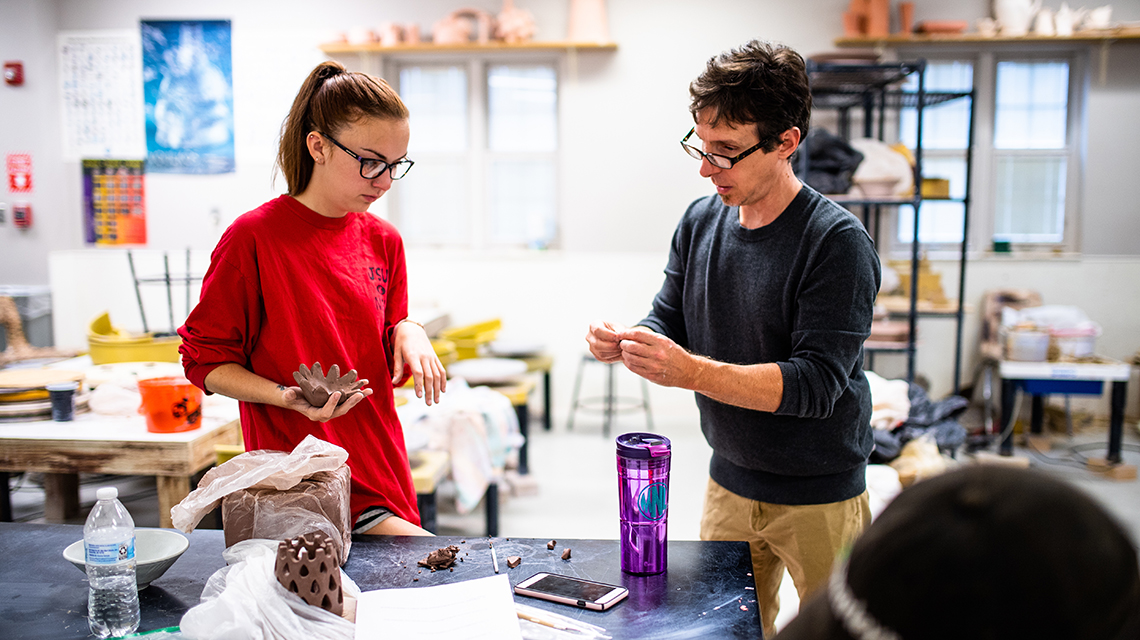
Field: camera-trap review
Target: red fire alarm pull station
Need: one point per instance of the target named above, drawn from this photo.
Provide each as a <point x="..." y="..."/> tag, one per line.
<point x="22" y="215"/>
<point x="14" y="73"/>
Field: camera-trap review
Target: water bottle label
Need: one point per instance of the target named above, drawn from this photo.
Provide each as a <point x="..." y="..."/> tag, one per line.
<point x="115" y="553"/>
<point x="653" y="501"/>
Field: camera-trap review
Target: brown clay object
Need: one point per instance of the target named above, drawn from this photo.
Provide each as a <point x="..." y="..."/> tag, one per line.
<point x="550" y="545"/>
<point x="317" y="387"/>
<point x="566" y="553"/>
<point x="440" y="558"/>
<point x="855" y="18"/>
<point x="878" y="18"/>
<point x="906" y="18"/>
<point x="307" y="565"/>
<point x="252" y="512"/>
<point x="513" y="561"/>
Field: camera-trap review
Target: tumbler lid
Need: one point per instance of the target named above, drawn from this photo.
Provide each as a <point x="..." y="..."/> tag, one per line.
<point x="643" y="445"/>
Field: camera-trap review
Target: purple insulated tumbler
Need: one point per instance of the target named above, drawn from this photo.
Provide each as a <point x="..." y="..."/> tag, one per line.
<point x="643" y="497"/>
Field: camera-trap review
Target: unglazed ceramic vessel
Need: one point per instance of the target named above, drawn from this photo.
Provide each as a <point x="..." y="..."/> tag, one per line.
<point x="307" y="566"/>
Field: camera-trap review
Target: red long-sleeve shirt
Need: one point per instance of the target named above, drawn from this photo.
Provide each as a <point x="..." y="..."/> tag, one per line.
<point x="288" y="286"/>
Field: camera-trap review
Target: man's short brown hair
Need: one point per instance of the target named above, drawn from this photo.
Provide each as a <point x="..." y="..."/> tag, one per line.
<point x="758" y="83"/>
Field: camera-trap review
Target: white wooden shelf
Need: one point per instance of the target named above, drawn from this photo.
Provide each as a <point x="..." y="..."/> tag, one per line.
<point x="973" y="39"/>
<point x="340" y="48"/>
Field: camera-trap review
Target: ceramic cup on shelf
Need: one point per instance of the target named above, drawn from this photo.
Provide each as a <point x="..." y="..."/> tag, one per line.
<point x="1043" y="24"/>
<point x="1014" y="17"/>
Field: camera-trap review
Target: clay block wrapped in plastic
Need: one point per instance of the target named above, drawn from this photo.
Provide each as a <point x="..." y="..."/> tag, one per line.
<point x="283" y="494"/>
<point x="278" y="515"/>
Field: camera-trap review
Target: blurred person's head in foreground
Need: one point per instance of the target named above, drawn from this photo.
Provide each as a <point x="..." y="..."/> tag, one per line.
<point x="982" y="552"/>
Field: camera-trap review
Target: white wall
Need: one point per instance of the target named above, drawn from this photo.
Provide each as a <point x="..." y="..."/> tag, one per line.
<point x="617" y="214"/>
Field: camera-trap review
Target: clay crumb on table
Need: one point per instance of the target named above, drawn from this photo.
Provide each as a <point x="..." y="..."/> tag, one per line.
<point x="513" y="561"/>
<point x="550" y="545"/>
<point x="440" y="558"/>
<point x="566" y="553"/>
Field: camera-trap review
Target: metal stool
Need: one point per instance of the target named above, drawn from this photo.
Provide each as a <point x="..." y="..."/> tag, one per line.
<point x="610" y="403"/>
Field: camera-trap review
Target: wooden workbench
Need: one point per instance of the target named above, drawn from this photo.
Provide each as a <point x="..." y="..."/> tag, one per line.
<point x="116" y="445"/>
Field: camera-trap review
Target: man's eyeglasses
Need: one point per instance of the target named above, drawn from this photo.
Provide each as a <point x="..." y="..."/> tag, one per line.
<point x="371" y="168"/>
<point x="716" y="160"/>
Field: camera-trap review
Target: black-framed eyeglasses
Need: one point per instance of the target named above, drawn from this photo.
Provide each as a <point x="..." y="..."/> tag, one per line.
<point x="715" y="159"/>
<point x="371" y="168"/>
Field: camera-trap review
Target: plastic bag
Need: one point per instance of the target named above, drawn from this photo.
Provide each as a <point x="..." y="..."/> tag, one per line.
<point x="479" y="428"/>
<point x="244" y="601"/>
<point x="890" y="402"/>
<point x="881" y="162"/>
<point x="256" y="469"/>
<point x="919" y="460"/>
<point x="252" y="484"/>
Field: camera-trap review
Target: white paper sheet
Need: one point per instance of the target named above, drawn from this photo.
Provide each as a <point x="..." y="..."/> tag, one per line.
<point x="102" y="87"/>
<point x="470" y="610"/>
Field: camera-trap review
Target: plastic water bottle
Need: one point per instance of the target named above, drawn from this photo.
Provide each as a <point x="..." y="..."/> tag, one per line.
<point x="109" y="544"/>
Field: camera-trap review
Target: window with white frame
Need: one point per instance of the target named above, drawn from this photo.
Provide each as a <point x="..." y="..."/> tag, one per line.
<point x="1030" y="150"/>
<point x="485" y="142"/>
<point x="1026" y="128"/>
<point x="944" y="141"/>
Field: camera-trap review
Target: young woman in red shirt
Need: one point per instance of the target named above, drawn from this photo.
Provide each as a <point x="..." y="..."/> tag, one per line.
<point x="310" y="277"/>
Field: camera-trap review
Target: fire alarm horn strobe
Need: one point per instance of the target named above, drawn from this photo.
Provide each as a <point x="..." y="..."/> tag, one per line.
<point x="14" y="73"/>
<point x="22" y="215"/>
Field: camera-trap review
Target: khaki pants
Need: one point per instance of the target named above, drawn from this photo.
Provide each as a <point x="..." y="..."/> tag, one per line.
<point x="803" y="538"/>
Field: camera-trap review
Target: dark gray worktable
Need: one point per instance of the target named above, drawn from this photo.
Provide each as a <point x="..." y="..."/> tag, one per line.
<point x="43" y="597"/>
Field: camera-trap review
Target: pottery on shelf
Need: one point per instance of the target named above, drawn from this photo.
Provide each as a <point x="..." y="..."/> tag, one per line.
<point x="588" y="21"/>
<point x="906" y="18"/>
<point x="879" y="18"/>
<point x="1043" y="24"/>
<point x="1098" y="18"/>
<point x="1067" y="19"/>
<point x="1014" y="17"/>
<point x="514" y="25"/>
<point x="460" y="26"/>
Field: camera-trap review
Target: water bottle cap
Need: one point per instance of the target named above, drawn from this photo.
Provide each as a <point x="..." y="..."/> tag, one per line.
<point x="107" y="493"/>
<point x="643" y="445"/>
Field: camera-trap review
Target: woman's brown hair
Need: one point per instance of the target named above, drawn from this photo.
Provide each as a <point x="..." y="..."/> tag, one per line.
<point x="330" y="98"/>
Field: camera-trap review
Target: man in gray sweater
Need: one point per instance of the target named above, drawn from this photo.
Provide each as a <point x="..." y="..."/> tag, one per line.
<point x="767" y="300"/>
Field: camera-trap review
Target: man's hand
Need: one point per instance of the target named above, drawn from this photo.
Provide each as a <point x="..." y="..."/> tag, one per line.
<point x="293" y="398"/>
<point x="657" y="358"/>
<point x="604" y="341"/>
<point x="412" y="348"/>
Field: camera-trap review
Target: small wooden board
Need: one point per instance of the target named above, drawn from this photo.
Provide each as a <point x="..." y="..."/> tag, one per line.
<point x="28" y="379"/>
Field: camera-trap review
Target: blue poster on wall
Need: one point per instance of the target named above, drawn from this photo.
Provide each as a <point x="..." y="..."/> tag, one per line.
<point x="188" y="85"/>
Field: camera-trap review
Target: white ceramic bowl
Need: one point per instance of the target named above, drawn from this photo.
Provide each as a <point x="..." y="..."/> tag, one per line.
<point x="155" y="551"/>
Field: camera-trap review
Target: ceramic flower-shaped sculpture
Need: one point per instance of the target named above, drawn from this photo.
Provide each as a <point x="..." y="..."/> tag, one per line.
<point x="307" y="565"/>
<point x="317" y="387"/>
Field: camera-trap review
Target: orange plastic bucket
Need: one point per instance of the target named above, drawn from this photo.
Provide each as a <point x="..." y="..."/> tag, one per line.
<point x="170" y="404"/>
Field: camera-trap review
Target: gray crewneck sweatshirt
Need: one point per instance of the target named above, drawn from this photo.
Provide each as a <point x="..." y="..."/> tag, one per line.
<point x="798" y="292"/>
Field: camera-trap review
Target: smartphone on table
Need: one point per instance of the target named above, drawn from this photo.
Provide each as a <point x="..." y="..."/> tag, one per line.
<point x="576" y="592"/>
